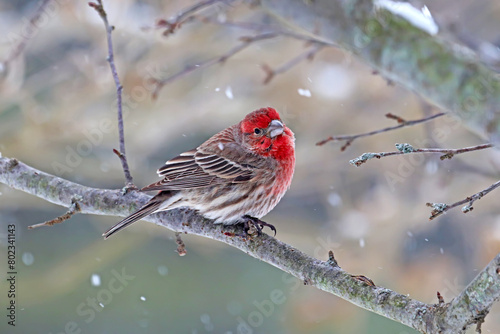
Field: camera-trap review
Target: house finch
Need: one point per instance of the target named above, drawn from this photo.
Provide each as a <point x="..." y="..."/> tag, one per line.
<point x="237" y="176"/>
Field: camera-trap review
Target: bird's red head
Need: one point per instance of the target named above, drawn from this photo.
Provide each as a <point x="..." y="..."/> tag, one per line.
<point x="264" y="133"/>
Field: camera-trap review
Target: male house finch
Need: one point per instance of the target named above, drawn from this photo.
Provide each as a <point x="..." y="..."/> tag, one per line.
<point x="237" y="176"/>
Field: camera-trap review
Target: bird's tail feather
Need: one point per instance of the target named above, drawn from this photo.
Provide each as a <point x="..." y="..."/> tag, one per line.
<point x="150" y="207"/>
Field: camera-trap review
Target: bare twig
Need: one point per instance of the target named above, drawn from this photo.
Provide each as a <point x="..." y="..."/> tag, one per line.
<point x="181" y="247"/>
<point x="309" y="54"/>
<point x="21" y="45"/>
<point x="331" y="259"/>
<point x="440" y="208"/>
<point x="119" y="88"/>
<point x="460" y="313"/>
<point x="364" y="279"/>
<point x="74" y="208"/>
<point x="402" y="123"/>
<point x="440" y="298"/>
<point x="245" y="42"/>
<point x="407" y="149"/>
<point x="261" y="28"/>
<point x="187" y="14"/>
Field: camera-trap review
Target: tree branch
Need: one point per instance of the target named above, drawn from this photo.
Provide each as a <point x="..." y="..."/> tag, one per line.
<point x="308" y="54"/>
<point x="129" y="181"/>
<point x="446" y="74"/>
<point x="18" y="49"/>
<point x="402" y="123"/>
<point x="245" y="42"/>
<point x="172" y="25"/>
<point x="408" y="149"/>
<point x="440" y="208"/>
<point x="468" y="308"/>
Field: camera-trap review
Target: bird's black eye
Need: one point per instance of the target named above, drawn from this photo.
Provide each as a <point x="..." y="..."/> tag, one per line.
<point x="257" y="131"/>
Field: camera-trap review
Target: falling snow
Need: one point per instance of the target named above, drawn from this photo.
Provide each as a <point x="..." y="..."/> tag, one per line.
<point x="441" y="250"/>
<point x="143" y="298"/>
<point x="217" y="89"/>
<point x="362" y="243"/>
<point x="304" y="92"/>
<point x="27" y="257"/>
<point x="431" y="167"/>
<point x="205" y="319"/>
<point x="334" y="199"/>
<point x="229" y="92"/>
<point x="162" y="270"/>
<point x="101" y="305"/>
<point x="95" y="280"/>
<point x="221" y="146"/>
<point x="104" y="167"/>
<point x="333" y="76"/>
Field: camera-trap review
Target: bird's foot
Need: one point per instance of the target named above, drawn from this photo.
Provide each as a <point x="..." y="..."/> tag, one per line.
<point x="249" y="221"/>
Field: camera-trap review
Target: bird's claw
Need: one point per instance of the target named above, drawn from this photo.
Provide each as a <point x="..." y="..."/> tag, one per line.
<point x="258" y="224"/>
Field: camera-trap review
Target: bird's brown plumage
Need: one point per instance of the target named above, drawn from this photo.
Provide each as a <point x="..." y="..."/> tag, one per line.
<point x="243" y="170"/>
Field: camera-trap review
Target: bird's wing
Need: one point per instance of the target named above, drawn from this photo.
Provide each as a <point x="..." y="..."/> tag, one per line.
<point x="200" y="168"/>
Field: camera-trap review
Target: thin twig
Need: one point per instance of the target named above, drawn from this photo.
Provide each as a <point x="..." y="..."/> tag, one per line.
<point x="74" y="208"/>
<point x="440" y="299"/>
<point x="260" y="28"/>
<point x="18" y="49"/>
<point x="171" y="26"/>
<point x="181" y="247"/>
<point x="309" y="54"/>
<point x="402" y="123"/>
<point x="440" y="208"/>
<point x="245" y="42"/>
<point x="119" y="88"/>
<point x="407" y="149"/>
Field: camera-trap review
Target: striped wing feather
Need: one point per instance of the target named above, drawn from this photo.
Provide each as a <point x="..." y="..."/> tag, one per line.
<point x="198" y="169"/>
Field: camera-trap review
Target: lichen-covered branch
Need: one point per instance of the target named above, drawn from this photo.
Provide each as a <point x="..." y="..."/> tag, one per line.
<point x="406" y="148"/>
<point x="440" y="208"/>
<point x="446" y="74"/>
<point x="470" y="307"/>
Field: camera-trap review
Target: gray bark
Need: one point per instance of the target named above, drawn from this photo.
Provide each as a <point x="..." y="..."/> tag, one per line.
<point x="470" y="307"/>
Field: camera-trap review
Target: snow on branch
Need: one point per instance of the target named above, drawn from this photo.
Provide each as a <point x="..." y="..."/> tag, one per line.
<point x="446" y="74"/>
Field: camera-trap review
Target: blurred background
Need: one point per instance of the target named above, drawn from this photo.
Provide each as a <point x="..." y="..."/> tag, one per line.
<point x="57" y="114"/>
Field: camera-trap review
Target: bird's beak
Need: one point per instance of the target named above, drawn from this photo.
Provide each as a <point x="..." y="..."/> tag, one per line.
<point x="275" y="128"/>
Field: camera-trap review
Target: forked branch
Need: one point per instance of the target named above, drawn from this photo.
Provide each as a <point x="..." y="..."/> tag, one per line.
<point x="245" y="42"/>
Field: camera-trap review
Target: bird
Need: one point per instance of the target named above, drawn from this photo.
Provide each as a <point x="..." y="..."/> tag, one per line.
<point x="235" y="177"/>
